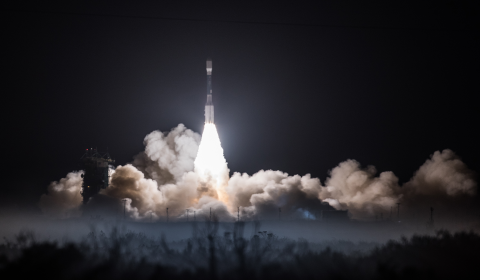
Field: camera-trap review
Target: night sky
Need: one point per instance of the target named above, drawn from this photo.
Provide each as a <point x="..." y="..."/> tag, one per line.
<point x="295" y="88"/>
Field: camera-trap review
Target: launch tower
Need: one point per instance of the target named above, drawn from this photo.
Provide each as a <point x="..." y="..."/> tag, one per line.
<point x="209" y="104"/>
<point x="95" y="178"/>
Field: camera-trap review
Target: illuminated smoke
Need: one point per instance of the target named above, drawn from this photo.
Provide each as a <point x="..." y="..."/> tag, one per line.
<point x="63" y="198"/>
<point x="265" y="191"/>
<point x="160" y="177"/>
<point x="168" y="156"/>
<point x="359" y="191"/>
<point x="166" y="175"/>
<point x="180" y="170"/>
<point x="442" y="182"/>
<point x="443" y="174"/>
<point x="145" y="198"/>
<point x="445" y="183"/>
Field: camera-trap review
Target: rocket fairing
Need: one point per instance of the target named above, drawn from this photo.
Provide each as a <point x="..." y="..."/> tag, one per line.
<point x="209" y="104"/>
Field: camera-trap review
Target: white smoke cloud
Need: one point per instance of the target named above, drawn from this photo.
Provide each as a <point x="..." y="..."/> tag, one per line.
<point x="443" y="181"/>
<point x="266" y="191"/>
<point x="146" y="196"/>
<point x="207" y="204"/>
<point x="129" y="183"/>
<point x="444" y="173"/>
<point x="359" y="191"/>
<point x="162" y="177"/>
<point x="64" y="197"/>
<point x="168" y="156"/>
<point x="166" y="175"/>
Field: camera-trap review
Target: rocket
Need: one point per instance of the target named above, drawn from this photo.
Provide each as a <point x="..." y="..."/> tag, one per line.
<point x="209" y="105"/>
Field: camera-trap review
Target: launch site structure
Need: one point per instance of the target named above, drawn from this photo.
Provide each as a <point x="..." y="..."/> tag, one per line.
<point x="209" y="104"/>
<point x="95" y="177"/>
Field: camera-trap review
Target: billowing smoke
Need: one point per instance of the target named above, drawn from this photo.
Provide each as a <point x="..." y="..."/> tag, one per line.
<point x="266" y="192"/>
<point x="168" y="156"/>
<point x="443" y="174"/>
<point x="182" y="171"/>
<point x="358" y="190"/>
<point x="163" y="177"/>
<point x="146" y="198"/>
<point x="442" y="182"/>
<point x="63" y="198"/>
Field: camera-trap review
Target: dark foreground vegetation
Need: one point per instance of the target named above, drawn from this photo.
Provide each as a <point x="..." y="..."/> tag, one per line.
<point x="219" y="254"/>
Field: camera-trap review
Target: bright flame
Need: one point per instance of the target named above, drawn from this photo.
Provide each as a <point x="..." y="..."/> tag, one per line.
<point x="211" y="165"/>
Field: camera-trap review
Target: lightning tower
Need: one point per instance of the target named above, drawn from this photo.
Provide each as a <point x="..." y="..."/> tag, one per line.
<point x="209" y="105"/>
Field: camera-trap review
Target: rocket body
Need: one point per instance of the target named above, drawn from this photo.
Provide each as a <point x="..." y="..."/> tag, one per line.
<point x="209" y="104"/>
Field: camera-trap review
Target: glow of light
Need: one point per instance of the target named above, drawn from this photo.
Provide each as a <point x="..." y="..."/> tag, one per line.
<point x="306" y="214"/>
<point x="210" y="164"/>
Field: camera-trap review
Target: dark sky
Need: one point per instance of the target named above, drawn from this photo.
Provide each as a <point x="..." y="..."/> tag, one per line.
<point x="385" y="84"/>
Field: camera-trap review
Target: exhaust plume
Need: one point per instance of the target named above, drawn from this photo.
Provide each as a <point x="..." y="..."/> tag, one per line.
<point x="211" y="166"/>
